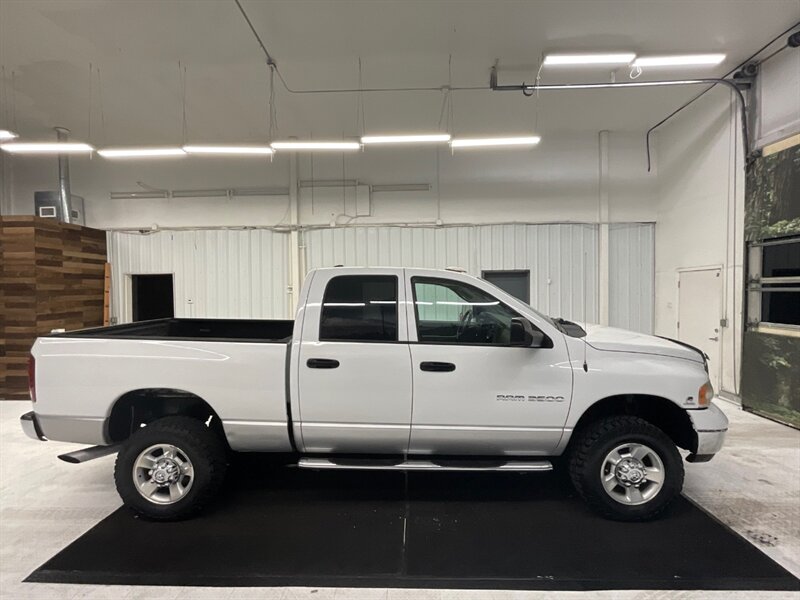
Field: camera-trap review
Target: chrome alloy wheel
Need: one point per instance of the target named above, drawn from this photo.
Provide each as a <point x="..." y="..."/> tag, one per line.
<point x="163" y="474"/>
<point x="632" y="474"/>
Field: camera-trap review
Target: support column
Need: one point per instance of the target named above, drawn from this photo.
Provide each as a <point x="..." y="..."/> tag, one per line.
<point x="296" y="273"/>
<point x="603" y="273"/>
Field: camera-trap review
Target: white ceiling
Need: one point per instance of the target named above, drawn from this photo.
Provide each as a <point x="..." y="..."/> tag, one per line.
<point x="49" y="45"/>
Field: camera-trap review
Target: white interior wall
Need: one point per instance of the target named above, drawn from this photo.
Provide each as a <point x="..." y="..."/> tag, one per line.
<point x="563" y="180"/>
<point x="554" y="182"/>
<point x="562" y="282"/>
<point x="557" y="182"/>
<point x="217" y="273"/>
<point x="700" y="194"/>
<point x="631" y="285"/>
<point x="700" y="214"/>
<point x="245" y="274"/>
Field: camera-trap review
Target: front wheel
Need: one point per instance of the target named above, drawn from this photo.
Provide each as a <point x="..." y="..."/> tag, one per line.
<point x="170" y="469"/>
<point x="626" y="468"/>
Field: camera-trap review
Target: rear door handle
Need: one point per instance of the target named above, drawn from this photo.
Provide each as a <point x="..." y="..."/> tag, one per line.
<point x="322" y="363"/>
<point x="442" y="367"/>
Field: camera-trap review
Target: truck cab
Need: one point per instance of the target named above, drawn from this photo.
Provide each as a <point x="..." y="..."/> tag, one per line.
<point x="397" y="361"/>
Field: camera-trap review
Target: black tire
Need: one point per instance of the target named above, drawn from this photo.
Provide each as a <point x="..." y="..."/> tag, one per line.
<point x="204" y="448"/>
<point x="596" y="441"/>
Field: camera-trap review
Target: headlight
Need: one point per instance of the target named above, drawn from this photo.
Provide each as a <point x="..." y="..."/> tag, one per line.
<point x="705" y="394"/>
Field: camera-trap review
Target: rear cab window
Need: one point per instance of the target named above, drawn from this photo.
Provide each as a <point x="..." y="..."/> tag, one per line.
<point x="360" y="308"/>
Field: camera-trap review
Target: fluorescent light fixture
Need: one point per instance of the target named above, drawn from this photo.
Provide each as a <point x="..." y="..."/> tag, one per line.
<point x="140" y="152"/>
<point x="264" y="150"/>
<point x="679" y="60"/>
<point x="620" y="58"/>
<point x="427" y="138"/>
<point x="199" y="193"/>
<point x="300" y="145"/>
<point x="47" y="148"/>
<point x="320" y="183"/>
<point x="260" y="191"/>
<point x="5" y="135"/>
<point x="138" y="195"/>
<point x="402" y="187"/>
<point x="495" y="142"/>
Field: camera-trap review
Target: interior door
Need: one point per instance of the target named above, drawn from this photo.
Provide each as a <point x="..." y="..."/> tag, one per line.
<point x="699" y="314"/>
<point x="354" y="379"/>
<point x="473" y="392"/>
<point x="516" y="283"/>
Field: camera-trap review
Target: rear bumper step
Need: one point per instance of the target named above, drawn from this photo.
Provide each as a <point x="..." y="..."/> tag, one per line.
<point x="31" y="427"/>
<point x="423" y="465"/>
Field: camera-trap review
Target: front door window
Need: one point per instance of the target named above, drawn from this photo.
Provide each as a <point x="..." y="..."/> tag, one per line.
<point x="451" y="312"/>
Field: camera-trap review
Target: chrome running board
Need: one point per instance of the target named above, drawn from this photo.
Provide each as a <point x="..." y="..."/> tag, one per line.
<point x="424" y="465"/>
<point x="81" y="456"/>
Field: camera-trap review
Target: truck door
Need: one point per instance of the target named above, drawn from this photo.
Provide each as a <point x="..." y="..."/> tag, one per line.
<point x="354" y="366"/>
<point x="473" y="392"/>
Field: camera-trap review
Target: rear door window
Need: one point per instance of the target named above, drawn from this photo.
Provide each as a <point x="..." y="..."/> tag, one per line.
<point x="360" y="308"/>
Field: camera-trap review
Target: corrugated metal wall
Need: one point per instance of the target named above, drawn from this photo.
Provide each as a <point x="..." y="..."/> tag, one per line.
<point x="217" y="273"/>
<point x="554" y="254"/>
<point x="424" y="247"/>
<point x="245" y="273"/>
<point x="631" y="286"/>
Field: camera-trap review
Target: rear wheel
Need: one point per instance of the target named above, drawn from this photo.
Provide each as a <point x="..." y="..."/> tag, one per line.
<point x="170" y="469"/>
<point x="626" y="468"/>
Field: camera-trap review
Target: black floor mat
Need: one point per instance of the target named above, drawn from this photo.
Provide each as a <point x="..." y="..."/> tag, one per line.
<point x="283" y="526"/>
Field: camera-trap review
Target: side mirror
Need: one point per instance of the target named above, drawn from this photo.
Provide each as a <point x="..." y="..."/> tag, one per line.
<point x="524" y="335"/>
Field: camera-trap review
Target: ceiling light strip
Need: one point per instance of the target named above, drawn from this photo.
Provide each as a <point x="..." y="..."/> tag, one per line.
<point x="47" y="148"/>
<point x="495" y="142"/>
<point x="309" y="145"/>
<point x="6" y="135"/>
<point x="427" y="138"/>
<point x="620" y="58"/>
<point x="236" y="150"/>
<point x="140" y="152"/>
<point x="679" y="60"/>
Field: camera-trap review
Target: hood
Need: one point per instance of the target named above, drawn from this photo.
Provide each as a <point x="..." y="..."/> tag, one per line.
<point x="622" y="340"/>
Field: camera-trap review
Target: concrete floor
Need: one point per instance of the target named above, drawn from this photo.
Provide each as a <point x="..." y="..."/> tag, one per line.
<point x="753" y="486"/>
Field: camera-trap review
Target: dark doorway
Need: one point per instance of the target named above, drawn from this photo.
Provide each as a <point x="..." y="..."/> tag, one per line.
<point x="152" y="297"/>
<point x="516" y="283"/>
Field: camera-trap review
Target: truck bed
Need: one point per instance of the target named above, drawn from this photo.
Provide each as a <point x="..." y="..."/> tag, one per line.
<point x="238" y="367"/>
<point x="227" y="330"/>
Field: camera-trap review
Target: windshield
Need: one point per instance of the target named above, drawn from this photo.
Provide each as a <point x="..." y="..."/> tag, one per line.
<point x="539" y="314"/>
<point x="564" y="326"/>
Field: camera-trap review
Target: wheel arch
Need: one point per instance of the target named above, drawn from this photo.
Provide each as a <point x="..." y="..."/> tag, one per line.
<point x="140" y="407"/>
<point x="657" y="410"/>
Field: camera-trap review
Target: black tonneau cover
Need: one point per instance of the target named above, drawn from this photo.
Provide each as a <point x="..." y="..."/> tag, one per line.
<point x="231" y="330"/>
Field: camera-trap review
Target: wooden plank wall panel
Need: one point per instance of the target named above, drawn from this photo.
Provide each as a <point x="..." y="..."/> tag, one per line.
<point x="51" y="277"/>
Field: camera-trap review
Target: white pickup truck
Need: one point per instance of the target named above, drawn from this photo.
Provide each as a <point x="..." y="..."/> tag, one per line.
<point x="382" y="368"/>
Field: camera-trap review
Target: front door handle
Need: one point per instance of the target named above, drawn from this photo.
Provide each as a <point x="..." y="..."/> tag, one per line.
<point x="714" y="339"/>
<point x="322" y="363"/>
<point x="441" y="367"/>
